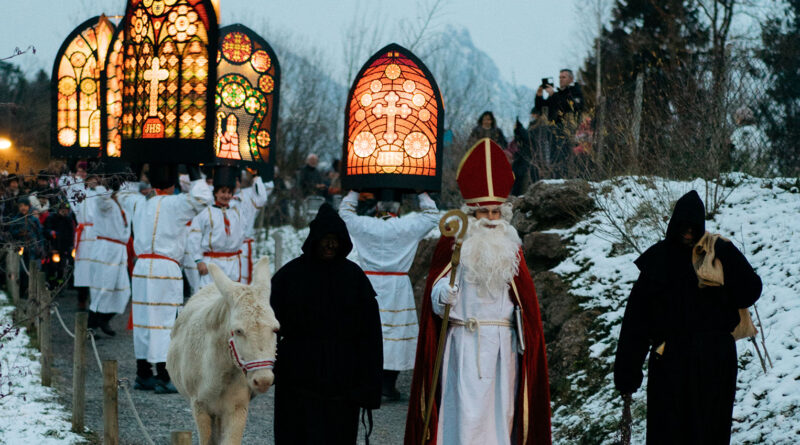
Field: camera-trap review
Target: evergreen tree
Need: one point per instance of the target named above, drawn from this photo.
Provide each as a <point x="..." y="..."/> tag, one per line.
<point x="780" y="108"/>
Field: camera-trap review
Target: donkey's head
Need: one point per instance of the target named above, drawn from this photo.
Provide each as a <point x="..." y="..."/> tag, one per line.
<point x="246" y="316"/>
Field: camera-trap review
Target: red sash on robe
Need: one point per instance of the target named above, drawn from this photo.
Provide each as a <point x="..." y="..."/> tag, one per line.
<point x="533" y="395"/>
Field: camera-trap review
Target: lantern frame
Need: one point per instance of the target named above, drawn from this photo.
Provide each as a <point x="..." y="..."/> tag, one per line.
<point x="119" y="36"/>
<point x="76" y="151"/>
<point x="174" y="149"/>
<point x="402" y="182"/>
<point x="263" y="166"/>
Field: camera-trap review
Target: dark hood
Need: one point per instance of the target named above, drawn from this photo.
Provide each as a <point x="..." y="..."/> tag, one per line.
<point x="689" y="211"/>
<point x="327" y="221"/>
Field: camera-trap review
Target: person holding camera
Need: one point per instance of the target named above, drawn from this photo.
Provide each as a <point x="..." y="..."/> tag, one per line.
<point x="562" y="107"/>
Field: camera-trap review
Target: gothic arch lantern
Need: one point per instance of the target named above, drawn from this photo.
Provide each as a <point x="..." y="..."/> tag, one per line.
<point x="168" y="84"/>
<point x="246" y="100"/>
<point x="393" y="125"/>
<point x="78" y="90"/>
<point x="114" y="74"/>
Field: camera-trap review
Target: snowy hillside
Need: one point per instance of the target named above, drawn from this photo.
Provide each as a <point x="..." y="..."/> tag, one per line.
<point x="29" y="413"/>
<point x="763" y="220"/>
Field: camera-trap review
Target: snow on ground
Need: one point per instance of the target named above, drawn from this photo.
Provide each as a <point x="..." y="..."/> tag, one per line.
<point x="29" y="412"/>
<point x="763" y="220"/>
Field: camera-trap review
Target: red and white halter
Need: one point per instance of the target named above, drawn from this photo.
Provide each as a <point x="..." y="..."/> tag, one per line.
<point x="246" y="367"/>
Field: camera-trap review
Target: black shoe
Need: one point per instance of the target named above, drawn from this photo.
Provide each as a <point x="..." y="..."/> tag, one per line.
<point x="165" y="388"/>
<point x="147" y="384"/>
<point x="107" y="329"/>
<point x="391" y="394"/>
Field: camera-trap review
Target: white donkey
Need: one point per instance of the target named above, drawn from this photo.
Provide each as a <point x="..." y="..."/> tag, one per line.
<point x="222" y="352"/>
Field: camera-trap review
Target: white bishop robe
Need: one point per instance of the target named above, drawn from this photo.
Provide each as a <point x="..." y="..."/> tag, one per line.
<point x="159" y="235"/>
<point x="211" y="240"/>
<point x="479" y="366"/>
<point x="386" y="249"/>
<point x="250" y="201"/>
<point x="110" y="288"/>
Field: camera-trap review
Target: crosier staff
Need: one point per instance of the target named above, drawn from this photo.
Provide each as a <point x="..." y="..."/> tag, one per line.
<point x="457" y="228"/>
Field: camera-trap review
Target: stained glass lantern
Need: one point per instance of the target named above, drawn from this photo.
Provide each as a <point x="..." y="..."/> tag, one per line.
<point x="114" y="77"/>
<point x="246" y="100"/>
<point x="167" y="100"/>
<point x="77" y="129"/>
<point x="393" y="123"/>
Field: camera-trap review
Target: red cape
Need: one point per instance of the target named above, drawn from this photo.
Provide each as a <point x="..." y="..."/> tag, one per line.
<point x="532" y="412"/>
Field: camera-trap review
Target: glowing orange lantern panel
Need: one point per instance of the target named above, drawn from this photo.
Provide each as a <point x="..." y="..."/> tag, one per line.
<point x="114" y="77"/>
<point x="78" y="82"/>
<point x="167" y="100"/>
<point x="393" y="123"/>
<point x="246" y="99"/>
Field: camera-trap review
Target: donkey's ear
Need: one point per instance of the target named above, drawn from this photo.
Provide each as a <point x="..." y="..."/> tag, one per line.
<point x="225" y="285"/>
<point x="261" y="274"/>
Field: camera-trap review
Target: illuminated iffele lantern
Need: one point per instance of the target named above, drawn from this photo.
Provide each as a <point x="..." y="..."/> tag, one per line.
<point x="167" y="100"/>
<point x="393" y="123"/>
<point x="246" y="99"/>
<point x="78" y="88"/>
<point x="114" y="76"/>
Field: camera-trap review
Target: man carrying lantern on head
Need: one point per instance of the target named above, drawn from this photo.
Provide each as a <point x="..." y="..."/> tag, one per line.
<point x="386" y="248"/>
<point x="159" y="233"/>
<point x="217" y="232"/>
<point x="493" y="384"/>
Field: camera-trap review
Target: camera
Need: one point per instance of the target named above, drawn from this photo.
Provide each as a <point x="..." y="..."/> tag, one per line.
<point x="547" y="82"/>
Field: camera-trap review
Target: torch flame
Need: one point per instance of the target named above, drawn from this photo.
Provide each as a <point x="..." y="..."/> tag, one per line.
<point x="56" y="257"/>
<point x="21" y="251"/>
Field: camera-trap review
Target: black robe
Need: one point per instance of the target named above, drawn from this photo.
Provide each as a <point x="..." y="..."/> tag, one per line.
<point x="692" y="386"/>
<point x="330" y="349"/>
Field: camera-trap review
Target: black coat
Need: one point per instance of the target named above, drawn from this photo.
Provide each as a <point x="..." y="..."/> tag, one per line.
<point x="330" y="350"/>
<point x="59" y="231"/>
<point x="560" y="103"/>
<point x="692" y="386"/>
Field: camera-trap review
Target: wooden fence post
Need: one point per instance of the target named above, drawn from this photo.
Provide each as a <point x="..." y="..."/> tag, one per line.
<point x="181" y="438"/>
<point x="110" y="406"/>
<point x="278" y="250"/>
<point x="12" y="275"/>
<point x="79" y="372"/>
<point x="45" y="344"/>
<point x="32" y="303"/>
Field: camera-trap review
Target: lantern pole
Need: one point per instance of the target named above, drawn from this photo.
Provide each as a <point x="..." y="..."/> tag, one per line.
<point x="456" y="229"/>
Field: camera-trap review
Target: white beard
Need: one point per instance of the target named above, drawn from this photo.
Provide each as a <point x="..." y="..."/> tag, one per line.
<point x="490" y="255"/>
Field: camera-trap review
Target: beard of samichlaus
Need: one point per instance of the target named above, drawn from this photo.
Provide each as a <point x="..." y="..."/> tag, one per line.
<point x="490" y="255"/>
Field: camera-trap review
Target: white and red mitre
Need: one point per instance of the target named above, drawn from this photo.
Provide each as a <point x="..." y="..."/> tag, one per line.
<point x="484" y="175"/>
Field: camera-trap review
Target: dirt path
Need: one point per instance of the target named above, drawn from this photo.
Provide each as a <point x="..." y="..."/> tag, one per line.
<point x="162" y="414"/>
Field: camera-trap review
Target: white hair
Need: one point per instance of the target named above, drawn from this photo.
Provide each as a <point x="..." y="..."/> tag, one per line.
<point x="490" y="255"/>
<point x="506" y="210"/>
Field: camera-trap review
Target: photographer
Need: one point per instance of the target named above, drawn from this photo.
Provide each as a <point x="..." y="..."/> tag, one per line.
<point x="562" y="107"/>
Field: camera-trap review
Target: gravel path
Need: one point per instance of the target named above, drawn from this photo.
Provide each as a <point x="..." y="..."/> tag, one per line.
<point x="162" y="414"/>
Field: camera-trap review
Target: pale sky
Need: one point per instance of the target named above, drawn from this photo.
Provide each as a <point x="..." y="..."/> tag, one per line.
<point x="528" y="39"/>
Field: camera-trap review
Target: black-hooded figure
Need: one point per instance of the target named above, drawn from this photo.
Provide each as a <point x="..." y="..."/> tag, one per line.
<point x="330" y="349"/>
<point x="687" y="331"/>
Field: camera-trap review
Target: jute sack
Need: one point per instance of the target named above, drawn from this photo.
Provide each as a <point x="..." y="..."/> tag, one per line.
<point x="709" y="273"/>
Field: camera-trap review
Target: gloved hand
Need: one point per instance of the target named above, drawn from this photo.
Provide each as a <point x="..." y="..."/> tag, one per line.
<point x="449" y="295"/>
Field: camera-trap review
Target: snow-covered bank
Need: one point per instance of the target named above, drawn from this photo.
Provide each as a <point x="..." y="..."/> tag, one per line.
<point x="763" y="220"/>
<point x="29" y="412"/>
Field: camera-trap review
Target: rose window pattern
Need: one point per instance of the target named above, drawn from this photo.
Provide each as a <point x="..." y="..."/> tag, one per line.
<point x="393" y="113"/>
<point x="166" y="69"/>
<point x="245" y="96"/>
<point x="77" y="78"/>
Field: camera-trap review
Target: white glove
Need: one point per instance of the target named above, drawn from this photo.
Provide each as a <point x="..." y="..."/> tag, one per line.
<point x="448" y="295"/>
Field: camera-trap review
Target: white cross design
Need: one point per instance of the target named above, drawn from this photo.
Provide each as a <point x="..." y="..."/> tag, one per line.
<point x="391" y="111"/>
<point x="154" y="75"/>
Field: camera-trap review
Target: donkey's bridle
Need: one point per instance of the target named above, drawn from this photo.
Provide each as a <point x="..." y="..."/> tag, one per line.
<point x="253" y="365"/>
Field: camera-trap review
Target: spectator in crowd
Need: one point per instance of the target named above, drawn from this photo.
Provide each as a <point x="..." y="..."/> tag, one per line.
<point x="563" y="108"/>
<point x="309" y="179"/>
<point x="535" y="149"/>
<point x="12" y="186"/>
<point x="59" y="229"/>
<point x="334" y="178"/>
<point x="487" y="128"/>
<point x="26" y="230"/>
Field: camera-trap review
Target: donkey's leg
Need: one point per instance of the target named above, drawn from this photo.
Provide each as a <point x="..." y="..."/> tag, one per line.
<point x="203" y="421"/>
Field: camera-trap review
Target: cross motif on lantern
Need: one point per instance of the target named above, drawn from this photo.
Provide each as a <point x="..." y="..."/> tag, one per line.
<point x="154" y="75"/>
<point x="391" y="110"/>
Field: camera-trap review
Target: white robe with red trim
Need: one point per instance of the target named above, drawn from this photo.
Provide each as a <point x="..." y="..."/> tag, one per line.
<point x="110" y="287"/>
<point x="80" y="199"/>
<point x="159" y="227"/>
<point x="250" y="201"/>
<point x="386" y="249"/>
<point x="212" y="240"/>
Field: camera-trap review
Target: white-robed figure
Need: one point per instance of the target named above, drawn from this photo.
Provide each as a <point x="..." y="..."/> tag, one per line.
<point x="249" y="201"/>
<point x="80" y="192"/>
<point x="110" y="288"/>
<point x="386" y="247"/>
<point x="217" y="233"/>
<point x="159" y="234"/>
